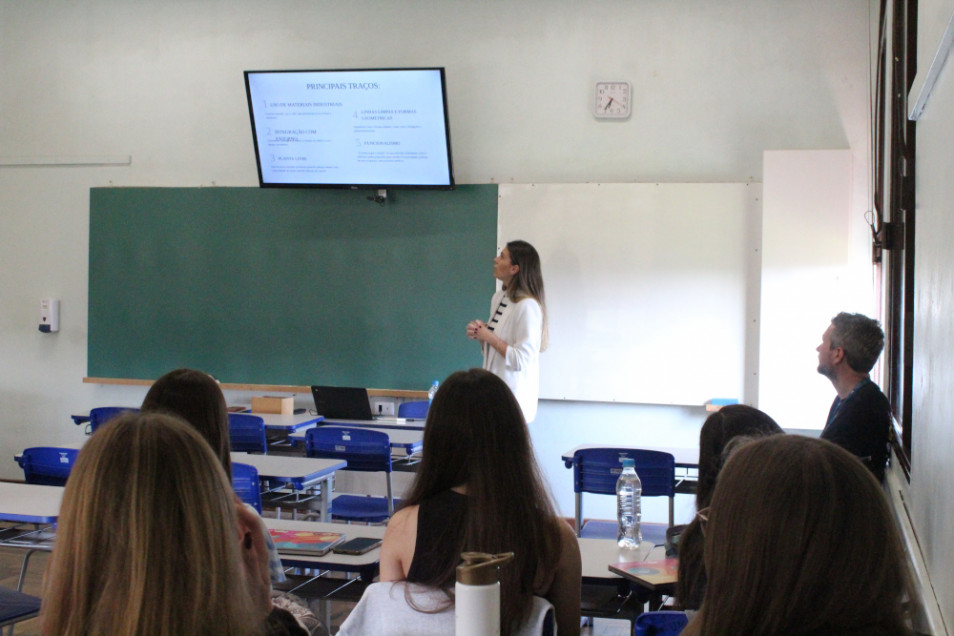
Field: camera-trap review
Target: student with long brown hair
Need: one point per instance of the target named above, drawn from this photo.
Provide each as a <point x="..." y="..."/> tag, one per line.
<point x="799" y="540"/>
<point x="726" y="426"/>
<point x="196" y="397"/>
<point x="479" y="489"/>
<point x="516" y="332"/>
<point x="152" y="541"/>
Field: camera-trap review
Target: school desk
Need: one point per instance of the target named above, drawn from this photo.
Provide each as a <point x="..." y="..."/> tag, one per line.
<point x="366" y="565"/>
<point x="405" y="443"/>
<point x="296" y="473"/>
<point x="400" y="423"/>
<point x="29" y="504"/>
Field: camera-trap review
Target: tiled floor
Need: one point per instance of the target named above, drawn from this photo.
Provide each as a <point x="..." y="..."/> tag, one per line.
<point x="331" y="612"/>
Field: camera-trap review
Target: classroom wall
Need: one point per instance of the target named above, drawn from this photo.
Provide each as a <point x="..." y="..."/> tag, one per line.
<point x="715" y="84"/>
<point x="932" y="436"/>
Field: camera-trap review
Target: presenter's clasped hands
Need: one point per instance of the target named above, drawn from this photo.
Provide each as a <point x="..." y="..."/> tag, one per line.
<point x="474" y="327"/>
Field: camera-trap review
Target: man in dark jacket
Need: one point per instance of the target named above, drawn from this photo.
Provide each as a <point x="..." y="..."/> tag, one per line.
<point x="860" y="416"/>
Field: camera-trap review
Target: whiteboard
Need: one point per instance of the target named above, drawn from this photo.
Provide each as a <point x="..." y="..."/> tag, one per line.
<point x="647" y="286"/>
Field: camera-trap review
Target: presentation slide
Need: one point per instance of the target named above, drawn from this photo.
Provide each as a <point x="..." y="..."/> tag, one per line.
<point x="368" y="127"/>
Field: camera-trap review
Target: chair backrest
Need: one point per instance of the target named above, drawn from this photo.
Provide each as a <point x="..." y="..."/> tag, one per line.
<point x="363" y="449"/>
<point x="661" y="623"/>
<point x="384" y="610"/>
<point x="47" y="466"/>
<point x="102" y="414"/>
<point x="247" y="433"/>
<point x="596" y="470"/>
<point x="415" y="410"/>
<point x="246" y="486"/>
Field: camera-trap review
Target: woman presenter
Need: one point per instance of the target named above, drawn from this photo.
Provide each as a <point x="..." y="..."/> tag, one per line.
<point x="516" y="332"/>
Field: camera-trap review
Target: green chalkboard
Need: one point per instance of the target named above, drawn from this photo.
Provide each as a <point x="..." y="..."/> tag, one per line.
<point x="279" y="286"/>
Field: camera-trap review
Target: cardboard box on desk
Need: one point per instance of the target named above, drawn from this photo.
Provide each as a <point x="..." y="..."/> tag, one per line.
<point x="272" y="404"/>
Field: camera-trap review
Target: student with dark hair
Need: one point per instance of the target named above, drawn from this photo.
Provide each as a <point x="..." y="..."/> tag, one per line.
<point x="860" y="415"/>
<point x="516" y="333"/>
<point x="799" y="540"/>
<point x="479" y="489"/>
<point x="724" y="428"/>
<point x="152" y="541"/>
<point x="194" y="396"/>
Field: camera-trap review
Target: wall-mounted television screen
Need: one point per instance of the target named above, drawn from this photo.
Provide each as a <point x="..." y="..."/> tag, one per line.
<point x="360" y="128"/>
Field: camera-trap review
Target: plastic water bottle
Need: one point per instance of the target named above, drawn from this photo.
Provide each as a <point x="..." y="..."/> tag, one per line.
<point x="431" y="391"/>
<point x="629" y="491"/>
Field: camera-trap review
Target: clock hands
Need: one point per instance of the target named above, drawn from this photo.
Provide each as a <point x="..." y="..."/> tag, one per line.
<point x="608" y="104"/>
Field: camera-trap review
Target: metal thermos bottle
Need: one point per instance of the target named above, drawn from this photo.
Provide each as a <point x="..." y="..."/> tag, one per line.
<point x="477" y="594"/>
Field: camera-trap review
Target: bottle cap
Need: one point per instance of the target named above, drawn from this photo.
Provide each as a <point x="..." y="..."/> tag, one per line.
<point x="480" y="568"/>
<point x="628" y="462"/>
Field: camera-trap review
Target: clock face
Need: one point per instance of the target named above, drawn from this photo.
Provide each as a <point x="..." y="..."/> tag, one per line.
<point x="612" y="100"/>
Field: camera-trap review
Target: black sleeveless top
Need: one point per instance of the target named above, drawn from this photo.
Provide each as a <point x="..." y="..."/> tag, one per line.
<point x="440" y="523"/>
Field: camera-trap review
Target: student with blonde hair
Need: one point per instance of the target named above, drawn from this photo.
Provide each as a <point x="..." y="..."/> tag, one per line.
<point x="799" y="541"/>
<point x="196" y="397"/>
<point x="151" y="540"/>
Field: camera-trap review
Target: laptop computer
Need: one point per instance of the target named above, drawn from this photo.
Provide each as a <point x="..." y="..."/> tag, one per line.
<point x="342" y="402"/>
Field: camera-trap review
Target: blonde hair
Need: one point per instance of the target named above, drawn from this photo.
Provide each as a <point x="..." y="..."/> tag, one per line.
<point x="148" y="538"/>
<point x="528" y="282"/>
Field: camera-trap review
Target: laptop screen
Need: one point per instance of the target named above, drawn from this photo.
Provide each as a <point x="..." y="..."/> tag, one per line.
<point x="342" y="403"/>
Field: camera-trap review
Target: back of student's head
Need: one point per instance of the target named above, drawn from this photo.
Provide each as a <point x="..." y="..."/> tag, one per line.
<point x="147" y="540"/>
<point x="723" y="431"/>
<point x="194" y="396"/>
<point x="800" y="540"/>
<point x="719" y="429"/>
<point x="476" y="437"/>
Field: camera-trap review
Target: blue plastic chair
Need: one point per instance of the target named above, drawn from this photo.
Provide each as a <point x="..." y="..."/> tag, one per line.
<point x="246" y="486"/>
<point x="47" y="466"/>
<point x="247" y="433"/>
<point x="102" y="414"/>
<point x="661" y="623"/>
<point x="414" y="410"/>
<point x="366" y="451"/>
<point x="595" y="470"/>
<point x="15" y="606"/>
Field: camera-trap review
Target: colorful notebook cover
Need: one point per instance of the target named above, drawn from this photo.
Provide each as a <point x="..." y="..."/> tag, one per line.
<point x="305" y="542"/>
<point x="651" y="574"/>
